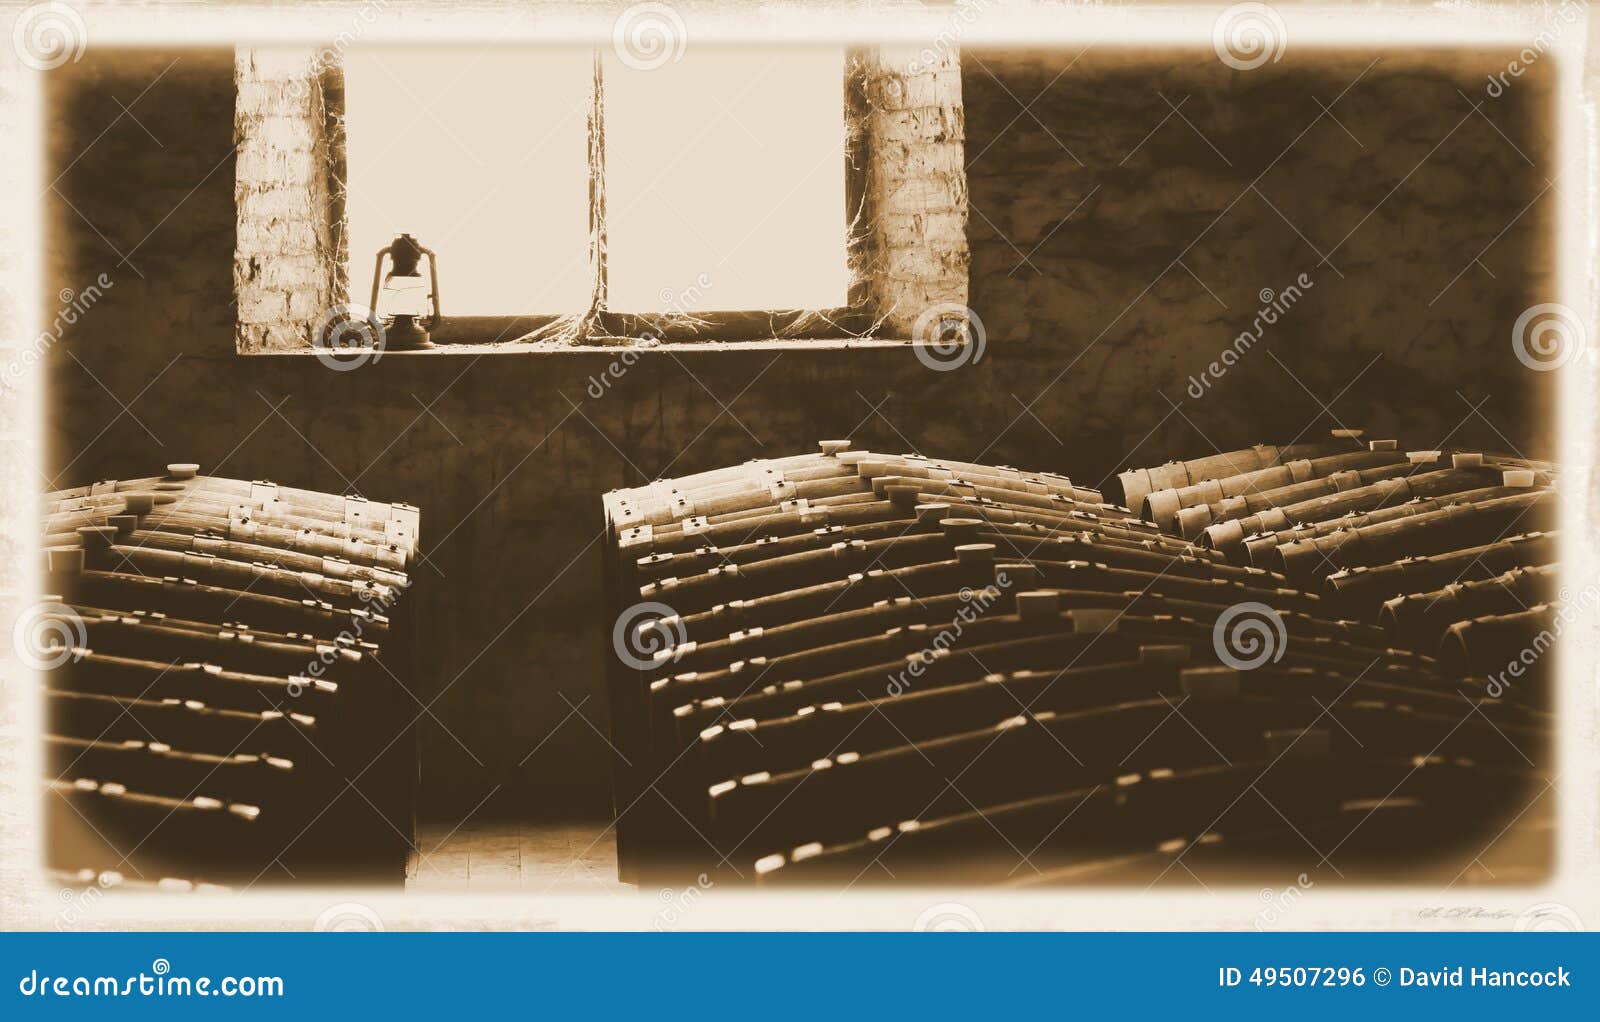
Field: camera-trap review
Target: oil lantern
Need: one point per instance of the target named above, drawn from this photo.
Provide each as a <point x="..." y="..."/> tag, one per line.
<point x="410" y="304"/>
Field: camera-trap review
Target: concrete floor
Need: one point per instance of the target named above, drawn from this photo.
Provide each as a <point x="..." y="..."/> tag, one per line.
<point x="511" y="855"/>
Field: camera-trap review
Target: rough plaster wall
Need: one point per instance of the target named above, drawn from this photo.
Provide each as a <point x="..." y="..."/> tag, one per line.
<point x="1083" y="205"/>
<point x="916" y="184"/>
<point x="287" y="261"/>
<point x="508" y="472"/>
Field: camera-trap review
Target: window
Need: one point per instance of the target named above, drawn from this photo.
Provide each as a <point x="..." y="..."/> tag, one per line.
<point x="573" y="195"/>
<point x="481" y="155"/>
<point x="737" y="158"/>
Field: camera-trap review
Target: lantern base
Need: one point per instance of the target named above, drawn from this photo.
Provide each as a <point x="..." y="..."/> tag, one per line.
<point x="404" y="334"/>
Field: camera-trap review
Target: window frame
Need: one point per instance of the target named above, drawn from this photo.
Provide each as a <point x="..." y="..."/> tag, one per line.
<point x="600" y="326"/>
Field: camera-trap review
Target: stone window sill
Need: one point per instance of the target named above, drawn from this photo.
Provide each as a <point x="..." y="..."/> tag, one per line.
<point x="622" y="345"/>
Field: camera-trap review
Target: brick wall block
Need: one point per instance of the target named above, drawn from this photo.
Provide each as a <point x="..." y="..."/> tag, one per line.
<point x="284" y="259"/>
<point x="917" y="184"/>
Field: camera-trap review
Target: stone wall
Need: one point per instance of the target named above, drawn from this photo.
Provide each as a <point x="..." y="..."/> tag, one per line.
<point x="287" y="263"/>
<point x="917" y="185"/>
<point x="1132" y="213"/>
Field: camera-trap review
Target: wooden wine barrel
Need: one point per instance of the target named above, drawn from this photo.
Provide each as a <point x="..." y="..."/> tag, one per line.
<point x="1163" y="506"/>
<point x="1418" y="620"/>
<point x="829" y="453"/>
<point x="214" y="679"/>
<point x="978" y="475"/>
<point x="1137" y="484"/>
<point x="977" y="844"/>
<point x="158" y="768"/>
<point x="1367" y="834"/>
<point x="851" y="793"/>
<point x="184" y="597"/>
<point x="884" y="721"/>
<point x="183" y="723"/>
<point x="153" y="637"/>
<point x="1432" y="532"/>
<point x="707" y="650"/>
<point x="397" y="524"/>
<point x="1356" y="494"/>
<point x="223" y="547"/>
<point x="1260" y="550"/>
<point x="932" y="489"/>
<point x="1362" y="591"/>
<point x="252" y="576"/>
<point x="976" y="620"/>
<point x="734" y="500"/>
<point x="181" y="478"/>
<point x="814" y="668"/>
<point x="1517" y="650"/>
<point x="197" y="511"/>
<point x="1198" y="522"/>
<point x="755" y="692"/>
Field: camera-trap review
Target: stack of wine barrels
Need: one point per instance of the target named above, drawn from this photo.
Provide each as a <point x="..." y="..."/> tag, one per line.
<point x="1452" y="553"/>
<point x="222" y="663"/>
<point x="847" y="667"/>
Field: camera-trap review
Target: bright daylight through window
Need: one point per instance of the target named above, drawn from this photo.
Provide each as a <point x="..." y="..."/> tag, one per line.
<point x="723" y="177"/>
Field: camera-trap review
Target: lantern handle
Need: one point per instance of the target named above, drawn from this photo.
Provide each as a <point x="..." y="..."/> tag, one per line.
<point x="377" y="275"/>
<point x="433" y="283"/>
